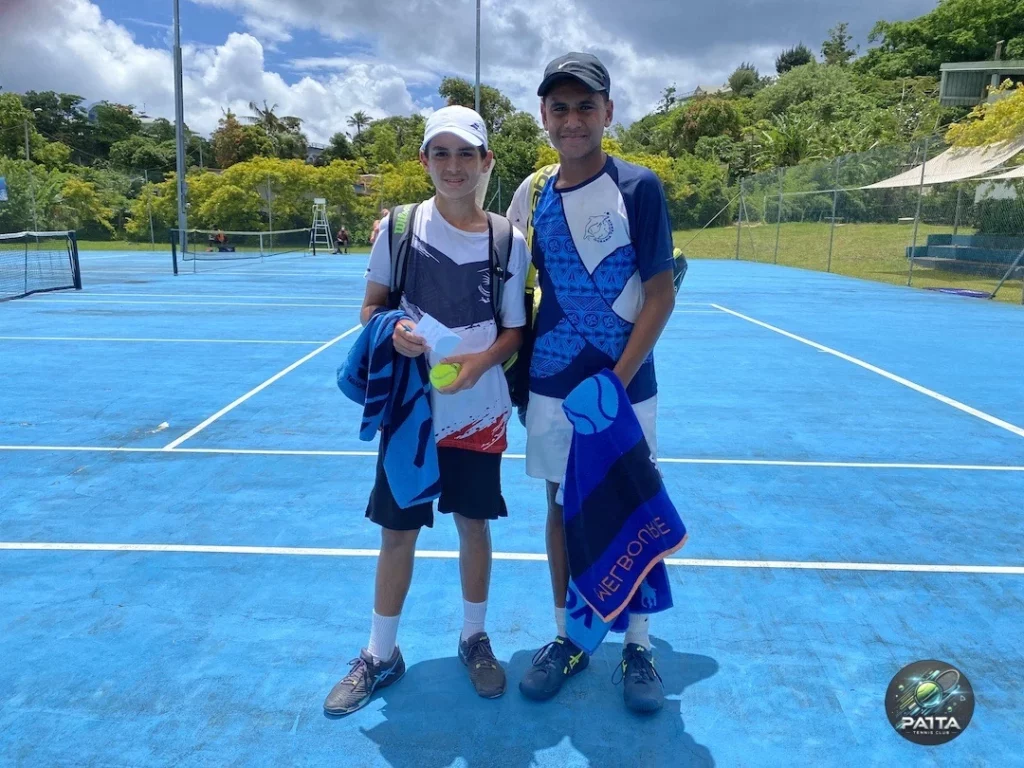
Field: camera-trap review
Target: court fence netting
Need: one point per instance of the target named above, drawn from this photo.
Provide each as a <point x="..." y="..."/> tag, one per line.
<point x="924" y="214"/>
<point x="36" y="262"/>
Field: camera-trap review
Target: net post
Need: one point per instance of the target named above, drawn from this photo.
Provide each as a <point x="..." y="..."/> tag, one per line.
<point x="174" y="252"/>
<point x="76" y="267"/>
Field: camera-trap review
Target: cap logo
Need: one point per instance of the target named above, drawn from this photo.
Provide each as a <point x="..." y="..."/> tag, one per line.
<point x="567" y="63"/>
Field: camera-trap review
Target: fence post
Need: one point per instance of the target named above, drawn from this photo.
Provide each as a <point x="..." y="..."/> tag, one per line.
<point x="739" y="222"/>
<point x="917" y="216"/>
<point x="778" y="216"/>
<point x="956" y="217"/>
<point x="835" y="205"/>
<point x="149" y="208"/>
<point x="270" y="217"/>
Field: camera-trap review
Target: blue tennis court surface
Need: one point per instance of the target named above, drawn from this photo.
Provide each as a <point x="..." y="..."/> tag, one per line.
<point x="185" y="570"/>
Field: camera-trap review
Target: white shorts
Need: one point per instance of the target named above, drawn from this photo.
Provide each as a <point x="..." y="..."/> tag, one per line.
<point x="549" y="435"/>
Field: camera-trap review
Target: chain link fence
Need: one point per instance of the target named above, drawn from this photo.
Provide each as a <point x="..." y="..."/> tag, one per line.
<point x="882" y="215"/>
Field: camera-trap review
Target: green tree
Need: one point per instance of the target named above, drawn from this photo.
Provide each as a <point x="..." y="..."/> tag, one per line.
<point x="988" y="123"/>
<point x="836" y="48"/>
<point x="384" y="149"/>
<point x="956" y="30"/>
<point x="53" y="154"/>
<point x="668" y="100"/>
<point x="81" y="204"/>
<point x="339" y="148"/>
<point x="745" y="80"/>
<point x="13" y="118"/>
<point x="285" y="133"/>
<point x="706" y="116"/>
<point x="407" y="131"/>
<point x="234" y="143"/>
<point x="60" y="117"/>
<point x="159" y="130"/>
<point x="495" y="107"/>
<point x="141" y="152"/>
<point x="792" y="58"/>
<point x="359" y="120"/>
<point x="515" y="151"/>
<point x="113" y="123"/>
<point x="405" y="182"/>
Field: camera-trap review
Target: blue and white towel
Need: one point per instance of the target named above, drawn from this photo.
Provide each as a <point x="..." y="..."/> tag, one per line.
<point x="620" y="524"/>
<point x="394" y="391"/>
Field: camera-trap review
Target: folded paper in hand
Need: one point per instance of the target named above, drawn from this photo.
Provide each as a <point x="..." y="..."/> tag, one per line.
<point x="441" y="339"/>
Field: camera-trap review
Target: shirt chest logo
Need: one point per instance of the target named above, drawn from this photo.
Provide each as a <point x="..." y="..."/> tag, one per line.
<point x="600" y="228"/>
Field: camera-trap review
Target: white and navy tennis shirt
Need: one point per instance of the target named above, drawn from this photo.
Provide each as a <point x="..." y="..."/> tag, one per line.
<point x="594" y="245"/>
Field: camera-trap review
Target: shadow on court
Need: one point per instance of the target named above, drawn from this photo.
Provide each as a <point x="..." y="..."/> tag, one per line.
<point x="433" y="717"/>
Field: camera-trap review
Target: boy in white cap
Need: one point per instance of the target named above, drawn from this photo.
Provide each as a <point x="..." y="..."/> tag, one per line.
<point x="449" y="274"/>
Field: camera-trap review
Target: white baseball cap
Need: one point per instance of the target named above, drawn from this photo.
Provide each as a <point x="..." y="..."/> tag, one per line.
<point x="461" y="121"/>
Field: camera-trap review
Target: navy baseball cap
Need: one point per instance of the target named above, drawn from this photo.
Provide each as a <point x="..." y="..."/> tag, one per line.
<point x="582" y="67"/>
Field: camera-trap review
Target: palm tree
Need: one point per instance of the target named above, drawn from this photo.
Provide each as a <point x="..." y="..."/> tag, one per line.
<point x="271" y="122"/>
<point x="359" y="121"/>
<point x="265" y="117"/>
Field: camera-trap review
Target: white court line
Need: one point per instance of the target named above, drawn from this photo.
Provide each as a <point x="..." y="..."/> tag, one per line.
<point x="307" y="297"/>
<point x="891" y="376"/>
<point x="168" y="341"/>
<point x="520" y="457"/>
<point x="18" y="546"/>
<point x="44" y="300"/>
<point x="200" y="427"/>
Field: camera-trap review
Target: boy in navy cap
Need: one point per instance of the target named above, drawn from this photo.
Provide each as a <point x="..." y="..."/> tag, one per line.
<point x="602" y="246"/>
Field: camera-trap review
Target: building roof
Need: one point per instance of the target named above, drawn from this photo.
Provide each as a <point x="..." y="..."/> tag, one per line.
<point x="966" y="83"/>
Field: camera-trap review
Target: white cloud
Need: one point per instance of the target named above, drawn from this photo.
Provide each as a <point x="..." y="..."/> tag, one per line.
<point x="86" y="54"/>
<point x="646" y="44"/>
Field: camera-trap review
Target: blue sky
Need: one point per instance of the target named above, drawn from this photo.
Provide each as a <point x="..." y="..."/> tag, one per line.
<point x="322" y="60"/>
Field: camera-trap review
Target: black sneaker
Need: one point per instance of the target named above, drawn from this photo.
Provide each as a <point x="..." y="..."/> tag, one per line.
<point x="485" y="672"/>
<point x="553" y="664"/>
<point x="366" y="676"/>
<point x="643" y="690"/>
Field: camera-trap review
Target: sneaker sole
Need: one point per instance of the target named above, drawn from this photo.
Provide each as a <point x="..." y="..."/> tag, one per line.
<point x="644" y="707"/>
<point x="363" y="702"/>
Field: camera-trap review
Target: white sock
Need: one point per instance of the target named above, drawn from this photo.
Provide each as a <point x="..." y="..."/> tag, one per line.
<point x="473" y="620"/>
<point x="638" y="630"/>
<point x="383" y="634"/>
<point x="560" y="621"/>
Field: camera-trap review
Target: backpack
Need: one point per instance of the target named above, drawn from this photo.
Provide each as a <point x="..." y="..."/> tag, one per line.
<point x="400" y="230"/>
<point x="517" y="367"/>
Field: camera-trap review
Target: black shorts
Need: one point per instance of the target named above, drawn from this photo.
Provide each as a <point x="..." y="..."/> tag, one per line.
<point x="470" y="486"/>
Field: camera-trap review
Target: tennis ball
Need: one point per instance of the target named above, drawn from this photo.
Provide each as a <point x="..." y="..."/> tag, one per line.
<point x="444" y="374"/>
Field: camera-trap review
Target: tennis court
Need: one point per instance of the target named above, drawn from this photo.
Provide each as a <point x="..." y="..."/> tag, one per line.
<point x="185" y="570"/>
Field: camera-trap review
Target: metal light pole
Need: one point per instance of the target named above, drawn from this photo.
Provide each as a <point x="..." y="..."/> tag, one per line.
<point x="31" y="178"/>
<point x="179" y="130"/>
<point x="477" y="89"/>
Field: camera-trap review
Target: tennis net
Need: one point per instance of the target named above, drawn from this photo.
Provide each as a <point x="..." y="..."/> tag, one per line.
<point x="33" y="262"/>
<point x="215" y="245"/>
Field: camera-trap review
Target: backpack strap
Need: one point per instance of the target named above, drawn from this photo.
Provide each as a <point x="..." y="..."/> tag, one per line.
<point x="540" y="180"/>
<point x="401" y="224"/>
<point x="501" y="253"/>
